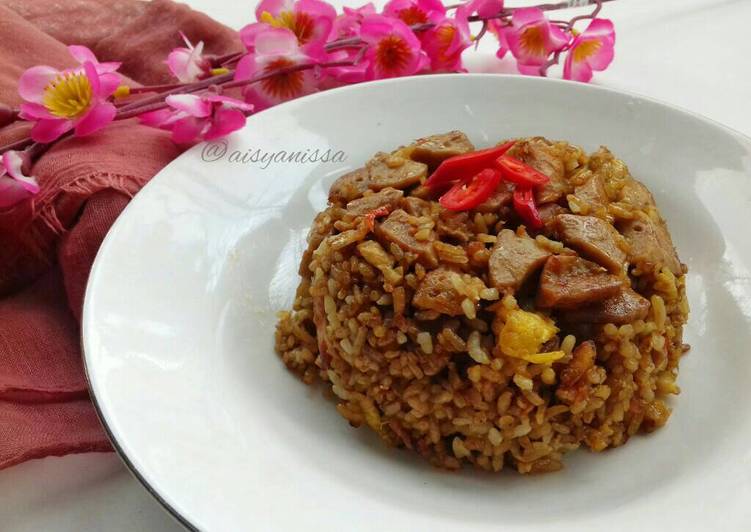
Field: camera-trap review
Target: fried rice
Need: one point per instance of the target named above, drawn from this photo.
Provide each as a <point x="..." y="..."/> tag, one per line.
<point x="469" y="339"/>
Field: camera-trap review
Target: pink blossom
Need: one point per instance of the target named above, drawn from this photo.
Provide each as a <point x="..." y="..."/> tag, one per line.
<point x="484" y="8"/>
<point x="187" y="63"/>
<point x="15" y="187"/>
<point x="83" y="55"/>
<point x="532" y="38"/>
<point x="394" y="50"/>
<point x="497" y="28"/>
<point x="192" y="118"/>
<point x="58" y="101"/>
<point x="445" y="42"/>
<point x="309" y="20"/>
<point x="415" y="11"/>
<point x="592" y="50"/>
<point x="276" y="49"/>
<point x="348" y="23"/>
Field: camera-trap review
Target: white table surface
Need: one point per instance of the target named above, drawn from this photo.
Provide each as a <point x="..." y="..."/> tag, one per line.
<point x="692" y="53"/>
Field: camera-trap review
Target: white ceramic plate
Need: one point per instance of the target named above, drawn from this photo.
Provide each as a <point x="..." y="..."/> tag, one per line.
<point x="180" y="313"/>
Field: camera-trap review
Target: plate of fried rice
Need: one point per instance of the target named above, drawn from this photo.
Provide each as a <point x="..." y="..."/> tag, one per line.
<point x="448" y="303"/>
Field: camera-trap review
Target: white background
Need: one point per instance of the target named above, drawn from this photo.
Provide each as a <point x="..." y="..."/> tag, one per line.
<point x="691" y="53"/>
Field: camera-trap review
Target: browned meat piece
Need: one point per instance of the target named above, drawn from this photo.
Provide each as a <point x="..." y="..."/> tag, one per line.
<point x="540" y="154"/>
<point x="349" y="186"/>
<point x="415" y="206"/>
<point x="399" y="229"/>
<point x="502" y="196"/>
<point x="513" y="259"/>
<point x="594" y="238"/>
<point x="568" y="281"/>
<point x="636" y="194"/>
<point x="625" y="307"/>
<point x="574" y="385"/>
<point x="650" y="244"/>
<point x="435" y="149"/>
<point x="548" y="212"/>
<point x="438" y="291"/>
<point x="394" y="171"/>
<point x="593" y="192"/>
<point x="388" y="197"/>
<point x="453" y="224"/>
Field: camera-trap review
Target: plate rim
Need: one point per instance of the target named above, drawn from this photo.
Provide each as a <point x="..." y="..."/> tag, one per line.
<point x="179" y="517"/>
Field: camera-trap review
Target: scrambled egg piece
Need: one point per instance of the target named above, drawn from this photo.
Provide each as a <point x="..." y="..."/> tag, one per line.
<point x="523" y="335"/>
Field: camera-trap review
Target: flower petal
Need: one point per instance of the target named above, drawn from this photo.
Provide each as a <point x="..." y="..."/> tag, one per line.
<point x="226" y="100"/>
<point x="95" y="119"/>
<point x="276" y="41"/>
<point x="245" y="67"/>
<point x="316" y="8"/>
<point x="274" y="7"/>
<point x="109" y="66"/>
<point x="527" y="15"/>
<point x="158" y="118"/>
<point x="13" y="164"/>
<point x="34" y="111"/>
<point x="82" y="54"/>
<point x="47" y="130"/>
<point x="93" y="77"/>
<point x="528" y="70"/>
<point x="576" y="70"/>
<point x="225" y="121"/>
<point x="12" y="192"/>
<point x="108" y="83"/>
<point x="601" y="28"/>
<point x="248" y="34"/>
<point x="190" y="104"/>
<point x="32" y="83"/>
<point x="188" y="130"/>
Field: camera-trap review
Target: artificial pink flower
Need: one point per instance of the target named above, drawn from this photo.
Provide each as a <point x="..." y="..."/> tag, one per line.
<point x="84" y="55"/>
<point x="394" y="50"/>
<point x="348" y="23"/>
<point x="445" y="42"/>
<point x="275" y="49"/>
<point x="59" y="101"/>
<point x="14" y="186"/>
<point x="188" y="64"/>
<point x="193" y="118"/>
<point x="309" y="20"/>
<point x="415" y="11"/>
<point x="532" y="38"/>
<point x="497" y="28"/>
<point x="484" y="8"/>
<point x="592" y="50"/>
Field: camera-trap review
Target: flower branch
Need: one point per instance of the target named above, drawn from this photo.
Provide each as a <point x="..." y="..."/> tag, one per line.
<point x="295" y="47"/>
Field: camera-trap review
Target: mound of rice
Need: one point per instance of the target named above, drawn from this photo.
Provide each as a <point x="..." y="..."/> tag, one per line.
<point x="463" y="374"/>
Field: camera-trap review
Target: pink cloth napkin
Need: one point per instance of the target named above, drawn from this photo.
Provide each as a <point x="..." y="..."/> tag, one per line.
<point x="47" y="245"/>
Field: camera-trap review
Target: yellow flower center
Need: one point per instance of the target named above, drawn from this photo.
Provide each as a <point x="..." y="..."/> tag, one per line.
<point x="301" y="24"/>
<point x="585" y="50"/>
<point x="533" y="40"/>
<point x="68" y="95"/>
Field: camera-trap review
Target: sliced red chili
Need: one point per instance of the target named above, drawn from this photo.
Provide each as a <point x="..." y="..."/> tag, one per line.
<point x="469" y="194"/>
<point x="465" y="166"/>
<point x="515" y="171"/>
<point x="376" y="213"/>
<point x="524" y="204"/>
